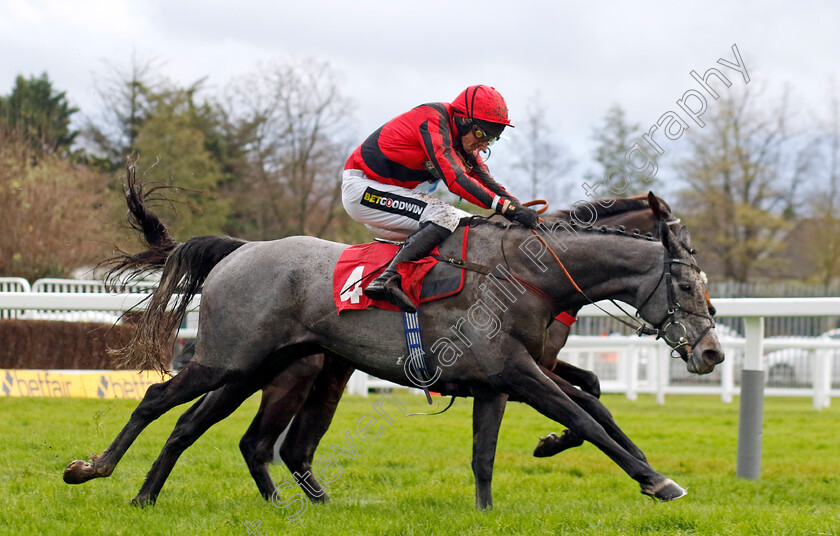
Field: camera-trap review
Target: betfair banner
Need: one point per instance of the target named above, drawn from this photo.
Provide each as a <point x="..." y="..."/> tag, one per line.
<point x="105" y="384"/>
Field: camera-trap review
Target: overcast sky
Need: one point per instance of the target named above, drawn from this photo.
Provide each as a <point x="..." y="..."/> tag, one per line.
<point x="581" y="56"/>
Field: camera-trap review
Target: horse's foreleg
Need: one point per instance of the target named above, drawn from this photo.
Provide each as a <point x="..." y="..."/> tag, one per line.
<point x="524" y="377"/>
<point x="193" y="381"/>
<point x="488" y="410"/>
<point x="281" y="400"/>
<point x="191" y="425"/>
<point x="312" y="422"/>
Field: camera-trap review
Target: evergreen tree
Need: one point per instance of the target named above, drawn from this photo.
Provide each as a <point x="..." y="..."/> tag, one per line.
<point x="126" y="103"/>
<point x="173" y="144"/>
<point x="41" y="114"/>
<point x="615" y="138"/>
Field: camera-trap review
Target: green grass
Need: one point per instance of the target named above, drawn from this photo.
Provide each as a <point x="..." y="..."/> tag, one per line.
<point x="415" y="479"/>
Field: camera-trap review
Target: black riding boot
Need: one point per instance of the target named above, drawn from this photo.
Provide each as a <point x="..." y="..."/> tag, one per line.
<point x="416" y="246"/>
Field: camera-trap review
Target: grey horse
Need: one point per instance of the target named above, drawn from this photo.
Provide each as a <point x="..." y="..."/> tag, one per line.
<point x="267" y="304"/>
<point x="309" y="390"/>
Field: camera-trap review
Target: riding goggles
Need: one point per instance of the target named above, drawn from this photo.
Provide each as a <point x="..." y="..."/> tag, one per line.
<point x="483" y="136"/>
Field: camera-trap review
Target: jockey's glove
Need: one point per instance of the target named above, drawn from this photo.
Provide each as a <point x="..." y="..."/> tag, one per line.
<point x="524" y="215"/>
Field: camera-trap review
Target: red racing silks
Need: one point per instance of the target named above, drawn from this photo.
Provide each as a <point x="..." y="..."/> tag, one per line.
<point x="398" y="154"/>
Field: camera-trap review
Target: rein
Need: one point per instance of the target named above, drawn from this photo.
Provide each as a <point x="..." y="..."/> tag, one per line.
<point x="661" y="330"/>
<point x="639" y="327"/>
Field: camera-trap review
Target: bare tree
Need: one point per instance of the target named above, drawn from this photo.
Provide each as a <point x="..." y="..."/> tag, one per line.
<point x="824" y="235"/>
<point x="292" y="121"/>
<point x="543" y="161"/>
<point x="126" y="100"/>
<point x="741" y="176"/>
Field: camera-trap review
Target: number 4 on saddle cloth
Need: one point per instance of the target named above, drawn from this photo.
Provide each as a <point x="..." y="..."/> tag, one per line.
<point x="423" y="281"/>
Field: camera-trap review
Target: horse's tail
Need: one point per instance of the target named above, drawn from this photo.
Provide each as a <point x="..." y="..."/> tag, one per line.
<point x="127" y="267"/>
<point x="184" y="273"/>
<point x="185" y="267"/>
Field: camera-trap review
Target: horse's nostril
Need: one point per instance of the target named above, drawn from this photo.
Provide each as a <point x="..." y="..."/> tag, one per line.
<point x="712" y="356"/>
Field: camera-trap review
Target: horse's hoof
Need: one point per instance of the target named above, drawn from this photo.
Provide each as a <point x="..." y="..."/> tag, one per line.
<point x="545" y="446"/>
<point x="78" y="472"/>
<point x="552" y="444"/>
<point x="667" y="490"/>
<point x="142" y="501"/>
<point x="320" y="500"/>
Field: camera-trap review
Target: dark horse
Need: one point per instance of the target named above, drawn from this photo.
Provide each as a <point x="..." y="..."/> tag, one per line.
<point x="263" y="307"/>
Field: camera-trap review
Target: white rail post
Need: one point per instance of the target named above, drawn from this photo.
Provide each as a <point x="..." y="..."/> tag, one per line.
<point x="750" y="421"/>
<point x="632" y="372"/>
<point x="727" y="380"/>
<point x="663" y="372"/>
<point x="829" y="363"/>
<point x="358" y="383"/>
<point x="821" y="377"/>
<point x="650" y="370"/>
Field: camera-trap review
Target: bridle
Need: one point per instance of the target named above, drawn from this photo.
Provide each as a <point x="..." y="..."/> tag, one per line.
<point x="677" y="342"/>
<point x="663" y="329"/>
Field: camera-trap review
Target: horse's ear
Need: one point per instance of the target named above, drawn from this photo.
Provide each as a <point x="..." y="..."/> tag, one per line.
<point x="685" y="238"/>
<point x="656" y="206"/>
<point x="665" y="233"/>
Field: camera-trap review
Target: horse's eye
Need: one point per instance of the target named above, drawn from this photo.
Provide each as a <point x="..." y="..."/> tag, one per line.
<point x="685" y="286"/>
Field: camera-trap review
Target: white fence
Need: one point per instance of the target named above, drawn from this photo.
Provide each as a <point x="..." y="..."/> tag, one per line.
<point x="629" y="365"/>
<point x="633" y="365"/>
<point x="77" y="300"/>
<point x="13" y="284"/>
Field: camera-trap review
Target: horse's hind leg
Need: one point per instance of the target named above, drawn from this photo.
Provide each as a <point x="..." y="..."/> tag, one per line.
<point x="312" y="422"/>
<point x="585" y="379"/>
<point x="281" y="400"/>
<point x="599" y="412"/>
<point x="214" y="407"/>
<point x="588" y="382"/>
<point x="194" y="380"/>
<point x="488" y="410"/>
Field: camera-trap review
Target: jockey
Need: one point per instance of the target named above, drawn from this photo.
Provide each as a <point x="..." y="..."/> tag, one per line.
<point x="387" y="181"/>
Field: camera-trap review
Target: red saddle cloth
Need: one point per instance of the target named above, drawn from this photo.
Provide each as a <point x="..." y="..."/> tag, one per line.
<point x="359" y="265"/>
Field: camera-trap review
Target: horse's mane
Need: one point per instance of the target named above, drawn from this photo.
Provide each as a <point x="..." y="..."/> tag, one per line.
<point x="584" y="210"/>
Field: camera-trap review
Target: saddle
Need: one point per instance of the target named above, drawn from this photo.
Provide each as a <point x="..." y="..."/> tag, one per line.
<point x="434" y="277"/>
